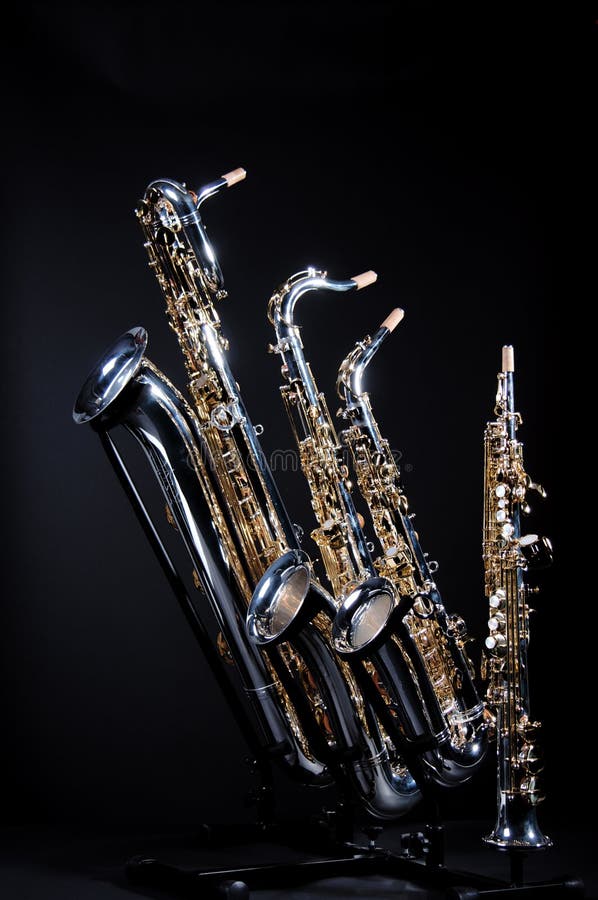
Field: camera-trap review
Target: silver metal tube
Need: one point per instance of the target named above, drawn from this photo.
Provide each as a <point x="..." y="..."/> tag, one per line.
<point x="507" y="557"/>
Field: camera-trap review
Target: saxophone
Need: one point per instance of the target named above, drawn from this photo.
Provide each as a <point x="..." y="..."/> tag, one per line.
<point x="371" y="600"/>
<point x="439" y="638"/>
<point x="507" y="556"/>
<point x="306" y="709"/>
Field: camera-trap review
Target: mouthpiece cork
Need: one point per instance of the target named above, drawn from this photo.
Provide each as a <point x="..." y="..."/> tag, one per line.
<point x="393" y="319"/>
<point x="364" y="279"/>
<point x="508" y="358"/>
<point x="234" y="176"/>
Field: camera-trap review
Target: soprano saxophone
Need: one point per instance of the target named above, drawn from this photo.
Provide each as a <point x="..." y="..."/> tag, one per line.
<point x="220" y="495"/>
<point x="508" y="555"/>
<point x="367" y="592"/>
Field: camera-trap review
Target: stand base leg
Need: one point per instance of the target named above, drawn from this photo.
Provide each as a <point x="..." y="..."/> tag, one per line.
<point x="420" y="862"/>
<point x="565" y="888"/>
<point x="237" y="883"/>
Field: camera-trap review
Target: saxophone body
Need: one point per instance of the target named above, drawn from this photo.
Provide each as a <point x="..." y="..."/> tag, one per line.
<point x="223" y="500"/>
<point x="508" y="556"/>
<point x="367" y="629"/>
<point x="440" y="639"/>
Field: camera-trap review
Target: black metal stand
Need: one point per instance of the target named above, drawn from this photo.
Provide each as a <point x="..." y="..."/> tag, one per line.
<point x="419" y="861"/>
<point x="354" y="862"/>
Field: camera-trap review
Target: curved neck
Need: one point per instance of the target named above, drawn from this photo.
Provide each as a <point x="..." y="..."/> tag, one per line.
<point x="287" y="332"/>
<point x="296" y="369"/>
<point x="358" y="406"/>
<point x="298" y="285"/>
<point x="349" y="383"/>
<point x="361" y="358"/>
<point x="179" y="194"/>
<point x="174" y="209"/>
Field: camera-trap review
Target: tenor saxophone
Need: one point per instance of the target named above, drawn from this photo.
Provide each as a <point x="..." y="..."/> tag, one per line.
<point x="508" y="556"/>
<point x="222" y="498"/>
<point x="369" y="604"/>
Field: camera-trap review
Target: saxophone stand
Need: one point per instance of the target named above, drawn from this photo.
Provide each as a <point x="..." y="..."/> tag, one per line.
<point x="419" y="862"/>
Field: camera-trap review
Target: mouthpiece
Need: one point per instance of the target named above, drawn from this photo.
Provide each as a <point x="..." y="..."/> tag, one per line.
<point x="234" y="176"/>
<point x="364" y="279"/>
<point x="508" y="358"/>
<point x="393" y="319"/>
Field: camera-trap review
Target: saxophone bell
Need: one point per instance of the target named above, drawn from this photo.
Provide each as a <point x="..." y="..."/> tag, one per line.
<point x="118" y="365"/>
<point x="517" y="825"/>
<point x="361" y="622"/>
<point x="284" y="599"/>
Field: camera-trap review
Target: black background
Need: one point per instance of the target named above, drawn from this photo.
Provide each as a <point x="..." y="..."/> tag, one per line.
<point x="436" y="147"/>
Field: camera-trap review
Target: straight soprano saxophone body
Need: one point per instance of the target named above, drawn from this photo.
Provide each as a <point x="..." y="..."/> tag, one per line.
<point x="508" y="556"/>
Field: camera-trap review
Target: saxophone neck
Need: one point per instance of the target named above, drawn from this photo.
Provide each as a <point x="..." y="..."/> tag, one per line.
<point x="213" y="187"/>
<point x="187" y="202"/>
<point x="349" y="382"/>
<point x="282" y="304"/>
<point x="281" y="312"/>
<point x="169" y="212"/>
<point x="350" y="376"/>
<point x="505" y="395"/>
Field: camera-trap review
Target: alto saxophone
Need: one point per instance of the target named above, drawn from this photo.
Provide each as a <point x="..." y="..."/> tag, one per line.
<point x="508" y="555"/>
<point x="439" y="638"/>
<point x="222" y="498"/>
<point x="368" y="600"/>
